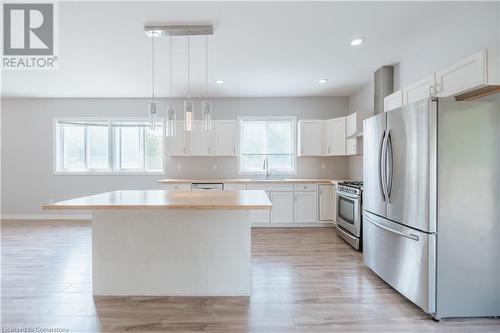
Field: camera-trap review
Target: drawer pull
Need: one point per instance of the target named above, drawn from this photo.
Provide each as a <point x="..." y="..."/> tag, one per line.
<point x="402" y="234"/>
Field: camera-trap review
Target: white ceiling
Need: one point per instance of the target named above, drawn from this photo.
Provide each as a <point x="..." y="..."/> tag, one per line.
<point x="258" y="49"/>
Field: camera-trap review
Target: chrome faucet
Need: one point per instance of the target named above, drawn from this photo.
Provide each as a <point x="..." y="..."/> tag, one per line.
<point x="265" y="166"/>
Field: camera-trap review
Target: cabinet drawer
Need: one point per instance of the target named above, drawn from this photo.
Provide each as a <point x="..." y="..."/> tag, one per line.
<point x="258" y="187"/>
<point x="179" y="187"/>
<point x="281" y="188"/>
<point x="305" y="187"/>
<point x="270" y="187"/>
<point x="234" y="187"/>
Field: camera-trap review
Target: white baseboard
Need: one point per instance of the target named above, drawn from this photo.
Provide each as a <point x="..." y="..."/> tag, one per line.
<point x="44" y="217"/>
<point x="55" y="217"/>
<point x="321" y="224"/>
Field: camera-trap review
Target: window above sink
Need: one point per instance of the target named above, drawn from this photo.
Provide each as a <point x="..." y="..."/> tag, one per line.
<point x="267" y="147"/>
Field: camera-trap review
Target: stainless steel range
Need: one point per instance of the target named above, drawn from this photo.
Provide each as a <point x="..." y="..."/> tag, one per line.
<point x="349" y="214"/>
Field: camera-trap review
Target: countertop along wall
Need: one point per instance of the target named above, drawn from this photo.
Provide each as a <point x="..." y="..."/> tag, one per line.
<point x="28" y="181"/>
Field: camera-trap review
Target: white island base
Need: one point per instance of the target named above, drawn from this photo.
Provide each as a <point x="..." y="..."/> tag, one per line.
<point x="170" y="243"/>
<point x="152" y="252"/>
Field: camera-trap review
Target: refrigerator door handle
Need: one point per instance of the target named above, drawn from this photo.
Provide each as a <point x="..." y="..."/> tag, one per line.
<point x="389" y="166"/>
<point x="399" y="233"/>
<point x="382" y="166"/>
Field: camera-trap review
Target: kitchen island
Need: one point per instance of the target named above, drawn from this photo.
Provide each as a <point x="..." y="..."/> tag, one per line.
<point x="170" y="243"/>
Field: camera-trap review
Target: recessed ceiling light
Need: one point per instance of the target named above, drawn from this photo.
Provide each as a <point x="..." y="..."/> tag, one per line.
<point x="323" y="81"/>
<point x="219" y="81"/>
<point x="357" y="41"/>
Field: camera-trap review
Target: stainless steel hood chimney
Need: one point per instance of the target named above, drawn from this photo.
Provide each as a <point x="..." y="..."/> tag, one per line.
<point x="383" y="86"/>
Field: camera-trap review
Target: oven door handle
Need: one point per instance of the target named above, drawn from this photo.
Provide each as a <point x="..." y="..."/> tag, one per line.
<point x="348" y="195"/>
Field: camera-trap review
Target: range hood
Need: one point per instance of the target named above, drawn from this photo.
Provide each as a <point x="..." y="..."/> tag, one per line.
<point x="383" y="86"/>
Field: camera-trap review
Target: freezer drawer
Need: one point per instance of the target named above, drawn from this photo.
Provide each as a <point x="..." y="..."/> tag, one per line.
<point x="404" y="257"/>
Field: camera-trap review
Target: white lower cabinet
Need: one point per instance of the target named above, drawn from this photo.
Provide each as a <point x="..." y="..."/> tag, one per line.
<point x="305" y="207"/>
<point x="327" y="207"/>
<point x="178" y="187"/>
<point x="234" y="187"/>
<point x="259" y="216"/>
<point x="282" y="211"/>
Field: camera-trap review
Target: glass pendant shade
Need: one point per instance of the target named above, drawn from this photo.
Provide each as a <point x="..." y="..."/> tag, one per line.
<point x="153" y="116"/>
<point x="171" y="122"/>
<point x="206" y="115"/>
<point x="188" y="115"/>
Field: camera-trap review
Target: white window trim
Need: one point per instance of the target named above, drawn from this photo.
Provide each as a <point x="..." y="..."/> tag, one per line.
<point x="103" y="172"/>
<point x="294" y="140"/>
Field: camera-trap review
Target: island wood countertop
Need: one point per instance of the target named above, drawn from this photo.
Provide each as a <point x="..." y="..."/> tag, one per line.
<point x="163" y="199"/>
<point x="248" y="181"/>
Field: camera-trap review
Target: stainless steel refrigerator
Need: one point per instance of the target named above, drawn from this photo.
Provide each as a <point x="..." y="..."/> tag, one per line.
<point x="431" y="204"/>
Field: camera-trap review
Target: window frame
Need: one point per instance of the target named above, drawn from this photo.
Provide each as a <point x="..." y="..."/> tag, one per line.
<point x="58" y="146"/>
<point x="293" y="121"/>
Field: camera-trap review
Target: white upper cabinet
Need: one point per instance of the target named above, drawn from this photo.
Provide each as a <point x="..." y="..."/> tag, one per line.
<point x="220" y="141"/>
<point x="177" y="145"/>
<point x="393" y="101"/>
<point x="465" y="75"/>
<point x="338" y="136"/>
<point x="310" y="137"/>
<point x="200" y="143"/>
<point x="325" y="137"/>
<point x="476" y="75"/>
<point x="418" y="90"/>
<point x="351" y="134"/>
<point x="225" y="137"/>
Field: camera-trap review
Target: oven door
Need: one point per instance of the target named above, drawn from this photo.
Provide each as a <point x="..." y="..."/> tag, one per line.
<point x="349" y="212"/>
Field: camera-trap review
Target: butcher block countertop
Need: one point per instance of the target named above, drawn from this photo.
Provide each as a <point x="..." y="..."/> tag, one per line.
<point x="162" y="199"/>
<point x="248" y="181"/>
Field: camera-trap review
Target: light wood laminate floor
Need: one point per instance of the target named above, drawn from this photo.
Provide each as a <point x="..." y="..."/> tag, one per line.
<point x="303" y="280"/>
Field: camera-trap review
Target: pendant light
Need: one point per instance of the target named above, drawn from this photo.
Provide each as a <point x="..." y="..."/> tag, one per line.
<point x="188" y="104"/>
<point x="206" y="105"/>
<point x="171" y="116"/>
<point x="153" y="107"/>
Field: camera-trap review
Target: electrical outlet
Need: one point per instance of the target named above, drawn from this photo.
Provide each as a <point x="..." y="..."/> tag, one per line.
<point x="178" y="166"/>
<point x="323" y="165"/>
<point x="214" y="166"/>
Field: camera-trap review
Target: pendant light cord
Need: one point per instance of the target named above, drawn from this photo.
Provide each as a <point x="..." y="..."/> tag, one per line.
<point x="170" y="42"/>
<point x="153" y="63"/>
<point x="189" y="88"/>
<point x="206" y="64"/>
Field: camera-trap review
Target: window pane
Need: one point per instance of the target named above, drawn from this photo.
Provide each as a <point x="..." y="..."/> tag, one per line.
<point x="271" y="139"/>
<point x="280" y="138"/>
<point x="280" y="163"/>
<point x="74" y="147"/>
<point x="98" y="147"/>
<point x="254" y="137"/>
<point x="131" y="152"/>
<point x="154" y="150"/>
<point x="252" y="163"/>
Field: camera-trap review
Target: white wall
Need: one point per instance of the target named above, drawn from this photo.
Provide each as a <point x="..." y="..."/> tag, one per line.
<point x="459" y="37"/>
<point x="362" y="102"/>
<point x="27" y="147"/>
